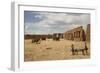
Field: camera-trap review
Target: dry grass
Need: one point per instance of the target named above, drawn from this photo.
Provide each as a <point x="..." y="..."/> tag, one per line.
<point x="52" y="50"/>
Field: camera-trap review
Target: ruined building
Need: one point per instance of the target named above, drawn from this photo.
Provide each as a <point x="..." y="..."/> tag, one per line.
<point x="60" y="35"/>
<point x="88" y="33"/>
<point x="76" y="34"/>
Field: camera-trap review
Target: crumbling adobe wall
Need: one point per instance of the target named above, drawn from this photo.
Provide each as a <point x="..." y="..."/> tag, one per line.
<point x="76" y="34"/>
<point x="88" y="33"/>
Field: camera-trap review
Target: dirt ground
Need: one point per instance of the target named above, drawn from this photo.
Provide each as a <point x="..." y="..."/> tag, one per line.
<point x="53" y="50"/>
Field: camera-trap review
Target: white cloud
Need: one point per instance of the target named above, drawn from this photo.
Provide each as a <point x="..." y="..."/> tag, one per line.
<point x="56" y="22"/>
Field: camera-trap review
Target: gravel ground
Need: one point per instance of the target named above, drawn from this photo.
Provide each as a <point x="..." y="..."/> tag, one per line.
<point x="53" y="50"/>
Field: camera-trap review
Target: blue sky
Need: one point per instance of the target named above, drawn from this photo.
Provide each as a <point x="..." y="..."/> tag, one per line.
<point x="53" y="22"/>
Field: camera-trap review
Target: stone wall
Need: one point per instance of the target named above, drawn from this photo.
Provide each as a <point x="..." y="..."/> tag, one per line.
<point x="60" y="35"/>
<point x="76" y="34"/>
<point x="88" y="33"/>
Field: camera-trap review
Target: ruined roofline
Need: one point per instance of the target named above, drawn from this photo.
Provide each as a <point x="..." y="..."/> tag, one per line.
<point x="80" y="27"/>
